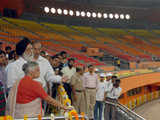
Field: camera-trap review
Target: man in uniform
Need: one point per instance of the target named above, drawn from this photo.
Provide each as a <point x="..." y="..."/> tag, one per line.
<point x="78" y="90"/>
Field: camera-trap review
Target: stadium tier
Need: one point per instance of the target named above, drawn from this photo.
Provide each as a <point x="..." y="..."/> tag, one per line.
<point x="125" y="44"/>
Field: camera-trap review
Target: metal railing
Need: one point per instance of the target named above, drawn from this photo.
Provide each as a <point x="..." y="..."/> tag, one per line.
<point x="55" y="118"/>
<point x="124" y="113"/>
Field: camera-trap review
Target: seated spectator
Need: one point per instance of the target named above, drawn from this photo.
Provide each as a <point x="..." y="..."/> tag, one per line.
<point x="83" y="49"/>
<point x="8" y="50"/>
<point x="26" y="100"/>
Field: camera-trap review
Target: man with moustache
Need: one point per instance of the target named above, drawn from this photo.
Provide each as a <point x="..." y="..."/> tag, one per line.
<point x="68" y="72"/>
<point x="78" y="90"/>
<point x="25" y="52"/>
<point x="90" y="84"/>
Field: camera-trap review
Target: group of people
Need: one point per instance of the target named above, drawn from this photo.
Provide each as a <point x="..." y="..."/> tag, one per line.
<point x="30" y="78"/>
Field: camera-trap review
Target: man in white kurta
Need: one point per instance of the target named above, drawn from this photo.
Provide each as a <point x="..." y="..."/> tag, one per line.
<point x="14" y="70"/>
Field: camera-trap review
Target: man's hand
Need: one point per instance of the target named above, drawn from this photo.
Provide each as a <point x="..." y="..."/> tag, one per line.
<point x="64" y="79"/>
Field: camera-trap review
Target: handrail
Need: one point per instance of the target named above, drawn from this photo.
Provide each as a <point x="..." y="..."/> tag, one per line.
<point x="126" y="110"/>
<point x="131" y="111"/>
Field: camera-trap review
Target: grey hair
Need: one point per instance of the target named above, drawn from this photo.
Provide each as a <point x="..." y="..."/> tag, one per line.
<point x="29" y="66"/>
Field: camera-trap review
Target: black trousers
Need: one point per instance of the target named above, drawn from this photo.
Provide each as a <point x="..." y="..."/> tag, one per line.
<point x="54" y="89"/>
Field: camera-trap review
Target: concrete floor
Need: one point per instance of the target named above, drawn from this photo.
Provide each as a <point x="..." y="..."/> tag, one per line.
<point x="150" y="110"/>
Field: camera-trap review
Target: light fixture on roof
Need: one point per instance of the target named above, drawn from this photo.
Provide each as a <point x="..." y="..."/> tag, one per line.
<point x="94" y="15"/>
<point x="46" y="9"/>
<point x="128" y="16"/>
<point x="105" y="15"/>
<point x="71" y="12"/>
<point x="65" y="12"/>
<point x="77" y="13"/>
<point x="111" y="16"/>
<point x="53" y="10"/>
<point x="59" y="11"/>
<point x="83" y="13"/>
<point x="88" y="14"/>
<point x="99" y="15"/>
<point x="122" y="16"/>
<point x="116" y="16"/>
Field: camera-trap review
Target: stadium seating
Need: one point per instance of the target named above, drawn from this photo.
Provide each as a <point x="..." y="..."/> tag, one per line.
<point x="116" y="42"/>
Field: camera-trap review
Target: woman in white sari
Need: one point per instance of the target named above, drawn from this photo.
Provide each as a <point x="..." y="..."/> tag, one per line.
<point x="26" y="95"/>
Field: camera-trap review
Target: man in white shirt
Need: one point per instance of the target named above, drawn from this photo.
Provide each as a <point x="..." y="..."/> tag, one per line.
<point x="47" y="75"/>
<point x="108" y="82"/>
<point x="24" y="50"/>
<point x="46" y="71"/>
<point x="112" y="96"/>
<point x="68" y="72"/>
<point x="14" y="69"/>
<point x="98" y="108"/>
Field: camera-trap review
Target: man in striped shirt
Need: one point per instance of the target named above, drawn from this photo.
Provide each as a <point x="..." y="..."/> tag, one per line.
<point x="90" y="84"/>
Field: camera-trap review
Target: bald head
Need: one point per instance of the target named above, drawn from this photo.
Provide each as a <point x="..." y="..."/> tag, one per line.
<point x="37" y="49"/>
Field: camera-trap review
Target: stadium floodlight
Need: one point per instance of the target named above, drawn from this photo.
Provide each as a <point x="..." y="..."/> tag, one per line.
<point x="46" y="9"/>
<point x="59" y="11"/>
<point x="116" y="16"/>
<point x="105" y="15"/>
<point x="99" y="15"/>
<point x="122" y="16"/>
<point x="128" y="16"/>
<point x="88" y="14"/>
<point x="94" y="15"/>
<point x="111" y="16"/>
<point x="65" y="12"/>
<point x="83" y="13"/>
<point x="53" y="10"/>
<point x="71" y="12"/>
<point x="77" y="13"/>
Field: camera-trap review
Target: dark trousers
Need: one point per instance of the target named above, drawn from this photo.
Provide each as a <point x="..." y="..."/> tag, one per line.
<point x="68" y="89"/>
<point x="110" y="110"/>
<point x="98" y="109"/>
<point x="54" y="89"/>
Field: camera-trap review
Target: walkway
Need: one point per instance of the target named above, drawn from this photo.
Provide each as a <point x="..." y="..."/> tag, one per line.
<point x="150" y="110"/>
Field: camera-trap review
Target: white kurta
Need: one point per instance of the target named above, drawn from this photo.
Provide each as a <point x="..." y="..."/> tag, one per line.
<point x="14" y="72"/>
